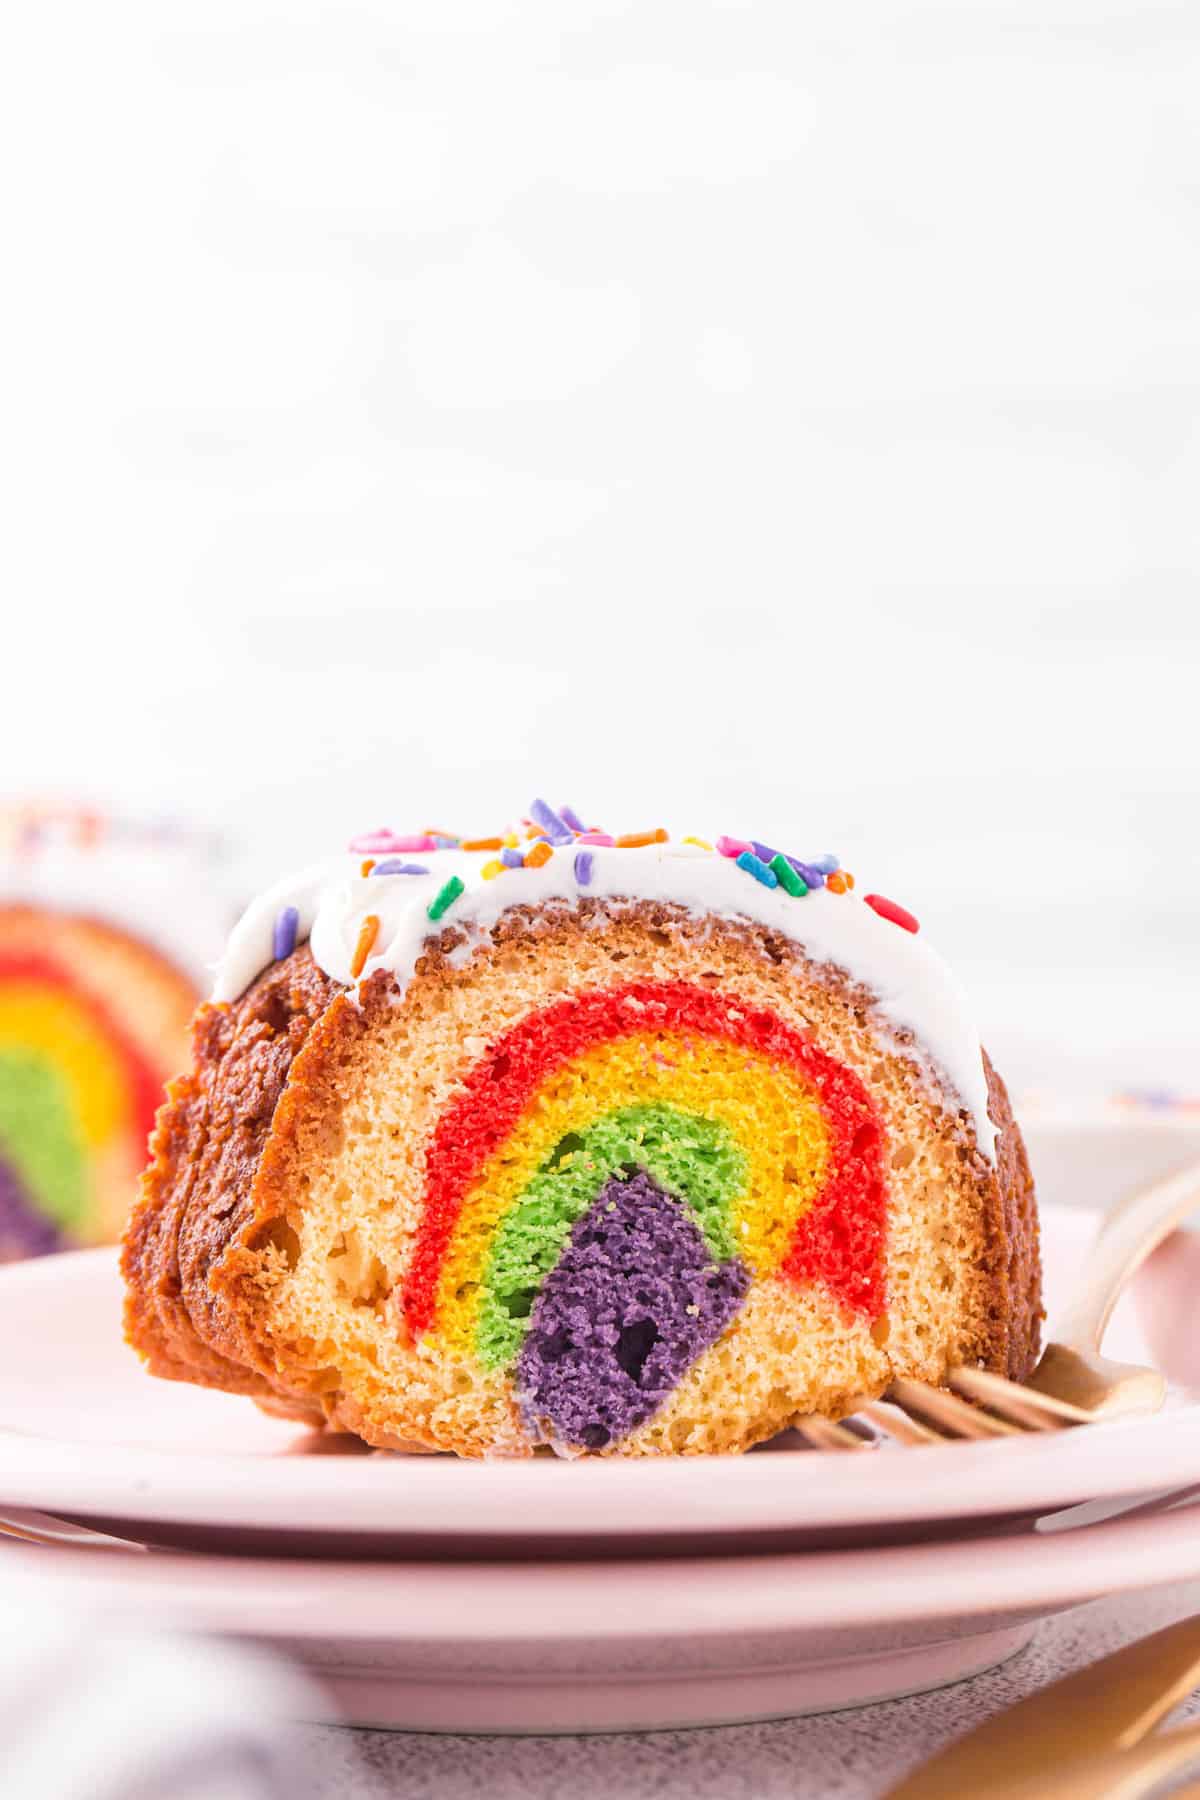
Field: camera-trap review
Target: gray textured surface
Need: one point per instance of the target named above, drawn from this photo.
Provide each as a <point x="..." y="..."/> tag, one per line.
<point x="846" y="1756"/>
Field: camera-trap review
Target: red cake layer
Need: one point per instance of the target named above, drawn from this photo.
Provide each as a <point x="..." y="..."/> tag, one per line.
<point x="144" y="1084"/>
<point x="839" y="1241"/>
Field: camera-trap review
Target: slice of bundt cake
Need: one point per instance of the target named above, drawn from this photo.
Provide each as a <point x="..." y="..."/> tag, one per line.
<point x="91" y="1024"/>
<point x="623" y="1145"/>
<point x="102" y="936"/>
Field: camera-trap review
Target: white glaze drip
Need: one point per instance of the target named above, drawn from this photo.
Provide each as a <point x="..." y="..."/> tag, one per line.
<point x="913" y="988"/>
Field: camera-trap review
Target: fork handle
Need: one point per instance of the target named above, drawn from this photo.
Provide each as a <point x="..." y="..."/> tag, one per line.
<point x="1123" y="1243"/>
<point x="1123" y="1775"/>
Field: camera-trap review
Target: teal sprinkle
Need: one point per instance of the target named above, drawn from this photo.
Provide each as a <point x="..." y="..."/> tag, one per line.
<point x="761" y="871"/>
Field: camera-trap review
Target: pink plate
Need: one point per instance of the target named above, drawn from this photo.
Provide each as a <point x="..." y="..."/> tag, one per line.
<point x="84" y="1431"/>
<point x="628" y="1644"/>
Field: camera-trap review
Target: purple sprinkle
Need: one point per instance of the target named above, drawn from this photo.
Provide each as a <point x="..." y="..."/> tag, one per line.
<point x="445" y="843"/>
<point x="807" y="872"/>
<point x="570" y="817"/>
<point x="753" y="865"/>
<point x="763" y="852"/>
<point x="826" y="864"/>
<point x="286" y="927"/>
<point x="512" y="859"/>
<point x="583" y="867"/>
<point x="555" y="828"/>
<point x="395" y="865"/>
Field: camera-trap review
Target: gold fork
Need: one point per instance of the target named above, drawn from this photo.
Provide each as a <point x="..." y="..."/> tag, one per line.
<point x="1085" y="1737"/>
<point x="1072" y="1383"/>
<point x="27" y="1527"/>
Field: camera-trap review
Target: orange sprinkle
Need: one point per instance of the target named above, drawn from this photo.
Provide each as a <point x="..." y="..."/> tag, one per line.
<point x="702" y="842"/>
<point x="836" y="883"/>
<point x="541" y="853"/>
<point x="432" y="831"/>
<point x="368" y="932"/>
<point x="368" y="865"/>
<point x="493" y="843"/>
<point x="633" y="840"/>
<point x="535" y="831"/>
<point x="490" y="870"/>
<point x="849" y="878"/>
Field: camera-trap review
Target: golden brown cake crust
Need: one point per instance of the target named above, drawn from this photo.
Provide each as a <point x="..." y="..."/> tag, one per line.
<point x="196" y="1195"/>
<point x="1019" y="1231"/>
<point x="276" y="1059"/>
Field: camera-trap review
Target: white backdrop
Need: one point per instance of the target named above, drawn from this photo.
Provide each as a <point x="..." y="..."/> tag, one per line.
<point x="773" y="418"/>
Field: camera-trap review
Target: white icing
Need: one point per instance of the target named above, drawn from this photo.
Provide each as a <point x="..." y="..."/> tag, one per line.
<point x="914" y="989"/>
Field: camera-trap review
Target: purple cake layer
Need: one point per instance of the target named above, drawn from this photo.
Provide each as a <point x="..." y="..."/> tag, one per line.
<point x="633" y="1300"/>
<point x="23" y="1230"/>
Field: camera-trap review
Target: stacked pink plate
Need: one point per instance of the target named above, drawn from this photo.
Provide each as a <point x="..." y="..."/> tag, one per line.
<point x="432" y="1594"/>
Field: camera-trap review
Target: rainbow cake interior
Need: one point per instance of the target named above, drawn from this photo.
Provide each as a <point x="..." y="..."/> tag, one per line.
<point x="91" y="1024"/>
<point x="554" y="1138"/>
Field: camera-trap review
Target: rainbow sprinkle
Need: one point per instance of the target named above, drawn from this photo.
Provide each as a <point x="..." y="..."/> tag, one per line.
<point x="754" y="865"/>
<point x="888" y="909"/>
<point x="556" y="829"/>
<point x="787" y="877"/>
<point x="283" y="940"/>
<point x="444" y="898"/>
<point x="545" y="830"/>
<point x="390" y="843"/>
<point x="368" y="932"/>
<point x="809" y="873"/>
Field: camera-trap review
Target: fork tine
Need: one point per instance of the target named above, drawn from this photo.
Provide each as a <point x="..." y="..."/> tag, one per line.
<point x="827" y="1434"/>
<point x="29" y="1527"/>
<point x="899" y="1425"/>
<point x="1026" y="1406"/>
<point x="950" y="1415"/>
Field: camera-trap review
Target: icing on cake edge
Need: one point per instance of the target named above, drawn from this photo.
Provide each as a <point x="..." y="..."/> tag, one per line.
<point x="913" y="987"/>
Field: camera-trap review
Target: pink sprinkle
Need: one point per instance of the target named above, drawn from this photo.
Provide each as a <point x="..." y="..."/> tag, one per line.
<point x="596" y="837"/>
<point x="373" y="842"/>
<point x="734" y="847"/>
